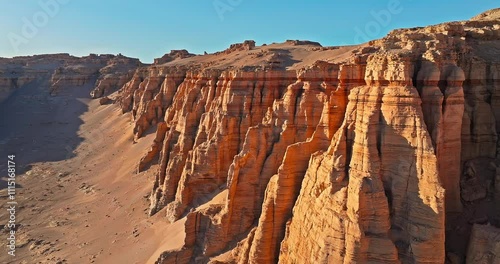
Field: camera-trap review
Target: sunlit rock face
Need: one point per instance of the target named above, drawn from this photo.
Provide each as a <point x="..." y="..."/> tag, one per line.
<point x="386" y="152"/>
<point x="358" y="160"/>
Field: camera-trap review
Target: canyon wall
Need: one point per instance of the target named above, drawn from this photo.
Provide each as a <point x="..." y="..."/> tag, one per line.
<point x="53" y="73"/>
<point x="353" y="160"/>
<point x="384" y="152"/>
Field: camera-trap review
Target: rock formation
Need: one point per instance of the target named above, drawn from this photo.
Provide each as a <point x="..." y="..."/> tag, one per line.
<point x="173" y="55"/>
<point x="114" y="75"/>
<point x="484" y="245"/>
<point x="385" y="152"/>
<point x="246" y="45"/>
<point x="346" y="159"/>
<point x="57" y="72"/>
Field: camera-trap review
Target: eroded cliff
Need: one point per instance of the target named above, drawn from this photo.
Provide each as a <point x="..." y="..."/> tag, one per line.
<point x="384" y="152"/>
<point x="346" y="155"/>
<point x="57" y="72"/>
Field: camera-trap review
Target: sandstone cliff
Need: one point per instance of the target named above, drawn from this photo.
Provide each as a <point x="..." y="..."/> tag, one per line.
<point x="384" y="152"/>
<point x="57" y="72"/>
<point x="114" y="75"/>
<point x="347" y="155"/>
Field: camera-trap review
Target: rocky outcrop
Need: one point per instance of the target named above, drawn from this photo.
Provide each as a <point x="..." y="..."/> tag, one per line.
<point x="185" y="254"/>
<point x="118" y="71"/>
<point x="302" y="42"/>
<point x="104" y="100"/>
<point x="57" y="72"/>
<point x="246" y="45"/>
<point x="493" y="14"/>
<point x="10" y="82"/>
<point x="22" y="71"/>
<point x="72" y="76"/>
<point x="392" y="189"/>
<point x="385" y="152"/>
<point x="173" y="55"/>
<point x="347" y="160"/>
<point x="484" y="245"/>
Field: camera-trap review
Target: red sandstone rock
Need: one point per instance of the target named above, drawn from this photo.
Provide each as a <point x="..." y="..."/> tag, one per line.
<point x="340" y="155"/>
<point x="348" y="162"/>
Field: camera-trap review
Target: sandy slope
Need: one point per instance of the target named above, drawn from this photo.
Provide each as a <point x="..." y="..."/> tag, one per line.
<point x="289" y="56"/>
<point x="81" y="201"/>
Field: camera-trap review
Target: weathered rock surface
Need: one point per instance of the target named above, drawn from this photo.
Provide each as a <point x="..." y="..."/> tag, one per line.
<point x="484" y="245"/>
<point x="385" y="152"/>
<point x="57" y="72"/>
<point x="346" y="159"/>
<point x="246" y="45"/>
<point x="173" y="55"/>
<point x="104" y="100"/>
<point x="114" y="75"/>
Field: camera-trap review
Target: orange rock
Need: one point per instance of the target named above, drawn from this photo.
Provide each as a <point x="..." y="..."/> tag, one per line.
<point x="322" y="155"/>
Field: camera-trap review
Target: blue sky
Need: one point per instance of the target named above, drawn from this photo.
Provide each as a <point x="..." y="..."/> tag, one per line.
<point x="149" y="28"/>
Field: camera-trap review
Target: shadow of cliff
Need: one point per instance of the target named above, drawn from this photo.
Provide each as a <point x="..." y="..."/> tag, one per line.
<point x="4" y="185"/>
<point x="483" y="210"/>
<point x="406" y="207"/>
<point x="38" y="127"/>
<point x="282" y="59"/>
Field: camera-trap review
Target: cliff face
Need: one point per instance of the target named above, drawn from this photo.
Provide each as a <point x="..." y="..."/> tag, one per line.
<point x="347" y="159"/>
<point x="59" y="71"/>
<point x="385" y="152"/>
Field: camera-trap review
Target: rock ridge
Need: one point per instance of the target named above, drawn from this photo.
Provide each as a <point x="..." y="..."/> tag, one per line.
<point x="346" y="160"/>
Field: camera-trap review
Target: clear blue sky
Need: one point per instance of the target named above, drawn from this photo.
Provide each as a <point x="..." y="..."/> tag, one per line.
<point x="149" y="28"/>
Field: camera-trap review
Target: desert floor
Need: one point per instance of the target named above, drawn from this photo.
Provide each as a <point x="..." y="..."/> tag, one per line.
<point x="79" y="198"/>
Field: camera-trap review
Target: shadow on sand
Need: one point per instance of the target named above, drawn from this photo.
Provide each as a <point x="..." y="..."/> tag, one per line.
<point x="38" y="127"/>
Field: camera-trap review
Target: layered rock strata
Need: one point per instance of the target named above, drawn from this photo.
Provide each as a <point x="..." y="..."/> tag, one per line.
<point x="347" y="160"/>
<point x="385" y="152"/>
<point x="114" y="75"/>
<point x="57" y="72"/>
